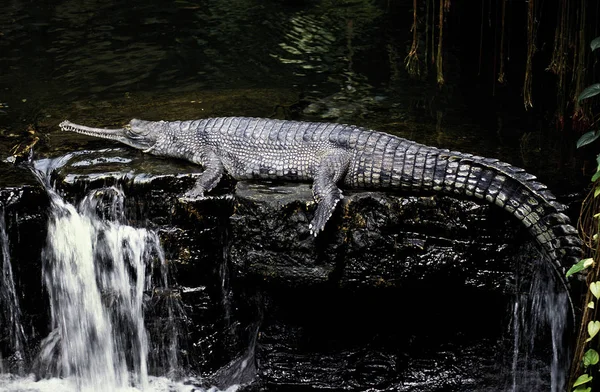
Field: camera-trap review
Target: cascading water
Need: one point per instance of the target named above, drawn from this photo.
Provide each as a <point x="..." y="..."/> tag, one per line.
<point x="95" y="273"/>
<point x="99" y="274"/>
<point x="539" y="313"/>
<point x="10" y="313"/>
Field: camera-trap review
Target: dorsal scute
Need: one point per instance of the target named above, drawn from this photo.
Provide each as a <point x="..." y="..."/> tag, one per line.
<point x="557" y="218"/>
<point x="564" y="230"/>
<point x="537" y="185"/>
<point x="524" y="179"/>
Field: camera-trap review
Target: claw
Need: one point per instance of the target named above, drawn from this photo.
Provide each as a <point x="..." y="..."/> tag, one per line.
<point x="190" y="196"/>
<point x="184" y="199"/>
<point x="188" y="199"/>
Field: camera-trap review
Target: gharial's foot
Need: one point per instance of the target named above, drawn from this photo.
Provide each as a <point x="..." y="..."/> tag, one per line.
<point x="190" y="199"/>
<point x="322" y="214"/>
<point x="191" y="196"/>
<point x="315" y="227"/>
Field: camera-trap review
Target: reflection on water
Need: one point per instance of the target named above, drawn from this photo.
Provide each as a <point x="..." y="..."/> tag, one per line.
<point x="87" y="48"/>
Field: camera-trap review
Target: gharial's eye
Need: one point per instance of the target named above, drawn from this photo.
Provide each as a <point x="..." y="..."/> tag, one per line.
<point x="131" y="133"/>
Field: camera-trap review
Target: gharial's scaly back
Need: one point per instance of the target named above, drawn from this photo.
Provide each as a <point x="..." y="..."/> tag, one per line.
<point x="332" y="154"/>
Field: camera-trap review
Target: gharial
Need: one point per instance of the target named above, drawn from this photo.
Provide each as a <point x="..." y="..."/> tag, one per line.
<point x="334" y="154"/>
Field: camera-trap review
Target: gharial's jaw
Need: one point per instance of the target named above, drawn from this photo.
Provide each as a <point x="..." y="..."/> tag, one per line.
<point x="123" y="135"/>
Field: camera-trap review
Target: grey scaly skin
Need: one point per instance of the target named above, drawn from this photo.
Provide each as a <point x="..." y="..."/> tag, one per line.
<point x="333" y="154"/>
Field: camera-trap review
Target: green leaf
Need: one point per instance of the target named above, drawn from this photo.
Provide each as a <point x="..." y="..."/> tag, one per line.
<point x="584" y="378"/>
<point x="588" y="262"/>
<point x="597" y="191"/>
<point x="591" y="357"/>
<point x="587" y="138"/>
<point x="591" y="305"/>
<point x="596" y="175"/>
<point x="580" y="266"/>
<point x="589" y="92"/>
<point x="582" y="389"/>
<point x="593" y="329"/>
<point x="595" y="44"/>
<point x="595" y="289"/>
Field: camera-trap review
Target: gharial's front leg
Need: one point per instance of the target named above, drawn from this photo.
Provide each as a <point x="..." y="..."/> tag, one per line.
<point x="325" y="190"/>
<point x="210" y="177"/>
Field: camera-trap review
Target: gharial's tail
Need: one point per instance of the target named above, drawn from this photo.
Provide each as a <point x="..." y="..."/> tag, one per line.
<point x="519" y="193"/>
<point x="420" y="167"/>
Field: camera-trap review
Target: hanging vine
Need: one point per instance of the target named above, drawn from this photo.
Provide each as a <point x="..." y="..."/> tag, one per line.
<point x="501" y="75"/>
<point x="427" y="11"/>
<point x="579" y="65"/>
<point x="558" y="63"/>
<point x="527" y="96"/>
<point x="444" y="6"/>
<point x="569" y="60"/>
<point x="583" y="356"/>
<point x="432" y="40"/>
<point x="411" y="61"/>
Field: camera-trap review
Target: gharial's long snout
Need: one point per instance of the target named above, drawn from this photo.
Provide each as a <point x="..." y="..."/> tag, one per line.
<point x="123" y="135"/>
<point x="115" y="134"/>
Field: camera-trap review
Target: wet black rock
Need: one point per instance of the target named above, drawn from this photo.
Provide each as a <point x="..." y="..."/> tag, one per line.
<point x="25" y="215"/>
<point x="393" y="284"/>
<point x="373" y="239"/>
<point x="410" y="293"/>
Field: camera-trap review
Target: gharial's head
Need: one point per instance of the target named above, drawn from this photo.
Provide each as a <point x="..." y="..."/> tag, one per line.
<point x="140" y="134"/>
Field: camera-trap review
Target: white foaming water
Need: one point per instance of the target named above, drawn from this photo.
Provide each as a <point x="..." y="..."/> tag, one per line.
<point x="541" y="313"/>
<point x="98" y="270"/>
<point x="155" y="384"/>
<point x="10" y="312"/>
<point x="95" y="274"/>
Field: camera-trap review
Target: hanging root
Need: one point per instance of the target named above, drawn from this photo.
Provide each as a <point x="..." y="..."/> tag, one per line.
<point x="527" y="97"/>
<point x="411" y="62"/>
<point x="439" y="58"/>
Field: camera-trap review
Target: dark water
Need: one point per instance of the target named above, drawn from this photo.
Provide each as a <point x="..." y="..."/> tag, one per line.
<point x="88" y="49"/>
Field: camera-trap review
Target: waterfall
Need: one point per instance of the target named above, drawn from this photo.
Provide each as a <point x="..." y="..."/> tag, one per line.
<point x="95" y="271"/>
<point x="99" y="273"/>
<point x="540" y="313"/>
<point x="116" y="323"/>
<point x="10" y="312"/>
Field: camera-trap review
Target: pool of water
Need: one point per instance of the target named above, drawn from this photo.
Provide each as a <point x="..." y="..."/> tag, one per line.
<point x="89" y="50"/>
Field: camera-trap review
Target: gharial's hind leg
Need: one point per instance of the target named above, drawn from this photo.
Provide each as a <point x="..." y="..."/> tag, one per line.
<point x="325" y="191"/>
